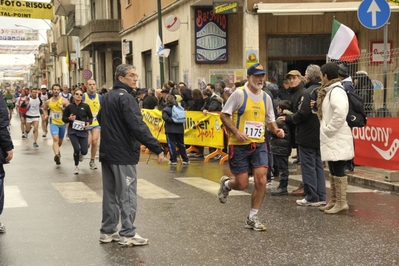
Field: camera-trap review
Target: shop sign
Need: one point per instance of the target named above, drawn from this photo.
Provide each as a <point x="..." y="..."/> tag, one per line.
<point x="210" y="36"/>
<point x="225" y="8"/>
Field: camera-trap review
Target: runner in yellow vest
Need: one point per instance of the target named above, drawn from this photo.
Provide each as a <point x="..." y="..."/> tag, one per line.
<point x="245" y="115"/>
<point x="56" y="105"/>
<point x="94" y="100"/>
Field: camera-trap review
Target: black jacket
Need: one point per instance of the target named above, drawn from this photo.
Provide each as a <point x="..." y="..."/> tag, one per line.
<point x="295" y="99"/>
<point x="82" y="112"/>
<point x="212" y="104"/>
<point x="197" y="106"/>
<point x="281" y="146"/>
<point x="5" y="137"/>
<point x="307" y="132"/>
<point x="122" y="128"/>
<point x="170" y="125"/>
<point x="149" y="102"/>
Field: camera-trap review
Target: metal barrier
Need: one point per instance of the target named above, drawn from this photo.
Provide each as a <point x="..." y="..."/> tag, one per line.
<point x="381" y="99"/>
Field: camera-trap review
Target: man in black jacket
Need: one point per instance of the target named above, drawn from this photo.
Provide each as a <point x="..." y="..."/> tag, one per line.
<point x="297" y="87"/>
<point x="308" y="140"/>
<point x="122" y="131"/>
<point x="6" y="152"/>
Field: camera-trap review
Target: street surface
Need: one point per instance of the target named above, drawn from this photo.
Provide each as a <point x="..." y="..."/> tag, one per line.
<point x="53" y="218"/>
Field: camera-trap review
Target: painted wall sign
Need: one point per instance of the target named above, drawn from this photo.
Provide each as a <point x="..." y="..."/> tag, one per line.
<point x="210" y="36"/>
<point x="225" y="8"/>
<point x="22" y="9"/>
<point x="377" y="52"/>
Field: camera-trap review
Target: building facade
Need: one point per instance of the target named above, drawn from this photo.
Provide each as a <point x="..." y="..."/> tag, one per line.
<point x="282" y="35"/>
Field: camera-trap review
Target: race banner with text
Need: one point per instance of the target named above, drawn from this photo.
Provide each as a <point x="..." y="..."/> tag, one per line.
<point x="199" y="129"/>
<point x="377" y="144"/>
<point x="24" y="9"/>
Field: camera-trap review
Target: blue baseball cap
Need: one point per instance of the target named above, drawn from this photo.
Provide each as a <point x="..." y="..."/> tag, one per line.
<point x="256" y="69"/>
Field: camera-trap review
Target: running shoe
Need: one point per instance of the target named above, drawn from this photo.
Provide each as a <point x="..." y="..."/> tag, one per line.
<point x="108" y="238"/>
<point x="2" y="228"/>
<point x="185" y="163"/>
<point x="57" y="159"/>
<point x="35" y="145"/>
<point x="223" y="190"/>
<point x="76" y="171"/>
<point x="81" y="157"/>
<point x="136" y="240"/>
<point x="172" y="163"/>
<point x="254" y="224"/>
<point x="92" y="165"/>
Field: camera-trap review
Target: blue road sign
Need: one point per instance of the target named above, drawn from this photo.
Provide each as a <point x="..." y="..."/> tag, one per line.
<point x="373" y="14"/>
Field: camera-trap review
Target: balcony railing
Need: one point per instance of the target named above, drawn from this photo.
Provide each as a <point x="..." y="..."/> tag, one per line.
<point x="62" y="45"/>
<point x="100" y="31"/>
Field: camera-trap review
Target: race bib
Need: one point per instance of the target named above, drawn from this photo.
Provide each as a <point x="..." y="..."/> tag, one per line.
<point x="253" y="129"/>
<point x="78" y="125"/>
<point x="9" y="101"/>
<point x="94" y="117"/>
<point x="55" y="115"/>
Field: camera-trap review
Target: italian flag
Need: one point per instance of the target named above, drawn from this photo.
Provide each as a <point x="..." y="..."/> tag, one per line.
<point x="344" y="45"/>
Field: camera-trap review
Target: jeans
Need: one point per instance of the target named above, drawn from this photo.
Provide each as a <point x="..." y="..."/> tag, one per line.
<point x="313" y="177"/>
<point x="175" y="139"/>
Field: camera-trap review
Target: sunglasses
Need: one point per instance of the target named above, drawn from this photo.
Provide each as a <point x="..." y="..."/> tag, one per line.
<point x="78" y="94"/>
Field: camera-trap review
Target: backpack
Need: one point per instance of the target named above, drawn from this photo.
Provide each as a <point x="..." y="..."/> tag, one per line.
<point x="356" y="116"/>
<point x="178" y="114"/>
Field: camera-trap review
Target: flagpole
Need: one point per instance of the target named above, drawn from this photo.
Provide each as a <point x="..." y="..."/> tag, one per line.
<point x="161" y="67"/>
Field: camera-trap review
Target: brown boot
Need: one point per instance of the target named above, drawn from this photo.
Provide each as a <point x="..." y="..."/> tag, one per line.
<point x="333" y="197"/>
<point x="341" y="205"/>
<point x="299" y="191"/>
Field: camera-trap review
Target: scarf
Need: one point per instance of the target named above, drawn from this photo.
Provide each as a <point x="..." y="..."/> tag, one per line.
<point x="321" y="94"/>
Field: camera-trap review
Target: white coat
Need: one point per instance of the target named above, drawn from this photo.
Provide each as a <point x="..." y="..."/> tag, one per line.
<point x="336" y="140"/>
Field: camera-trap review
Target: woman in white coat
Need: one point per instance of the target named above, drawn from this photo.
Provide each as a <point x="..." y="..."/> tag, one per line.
<point x="336" y="141"/>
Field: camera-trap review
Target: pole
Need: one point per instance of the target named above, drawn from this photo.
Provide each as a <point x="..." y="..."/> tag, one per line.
<point x="161" y="67"/>
<point x="67" y="42"/>
<point x="385" y="69"/>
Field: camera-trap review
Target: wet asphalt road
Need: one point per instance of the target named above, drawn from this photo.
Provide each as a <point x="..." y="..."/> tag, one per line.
<point x="190" y="228"/>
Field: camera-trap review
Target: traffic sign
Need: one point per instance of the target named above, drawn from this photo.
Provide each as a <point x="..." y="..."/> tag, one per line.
<point x="373" y="14"/>
<point x="87" y="74"/>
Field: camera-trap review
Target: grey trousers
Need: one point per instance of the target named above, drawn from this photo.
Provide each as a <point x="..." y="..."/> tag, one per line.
<point x="119" y="198"/>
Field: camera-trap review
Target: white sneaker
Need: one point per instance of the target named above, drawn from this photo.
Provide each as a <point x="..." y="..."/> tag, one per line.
<point x="304" y="202"/>
<point x="135" y="240"/>
<point x="76" y="171"/>
<point x="108" y="238"/>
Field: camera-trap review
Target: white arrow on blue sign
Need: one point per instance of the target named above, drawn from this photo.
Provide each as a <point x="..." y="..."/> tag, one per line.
<point x="373" y="14"/>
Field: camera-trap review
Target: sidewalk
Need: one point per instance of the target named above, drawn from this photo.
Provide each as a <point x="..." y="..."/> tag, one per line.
<point x="368" y="177"/>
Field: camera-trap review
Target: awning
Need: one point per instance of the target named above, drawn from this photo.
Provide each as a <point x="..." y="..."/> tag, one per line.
<point x="284" y="9"/>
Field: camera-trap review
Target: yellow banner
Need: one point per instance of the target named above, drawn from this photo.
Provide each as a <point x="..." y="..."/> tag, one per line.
<point x="22" y="9"/>
<point x="199" y="129"/>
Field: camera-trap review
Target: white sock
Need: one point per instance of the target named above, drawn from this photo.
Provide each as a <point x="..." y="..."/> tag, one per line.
<point x="252" y="213"/>
<point x="226" y="184"/>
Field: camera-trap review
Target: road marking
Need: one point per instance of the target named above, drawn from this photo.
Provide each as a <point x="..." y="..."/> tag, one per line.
<point x="76" y="192"/>
<point x="148" y="190"/>
<point x="207" y="185"/>
<point x="14" y="197"/>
